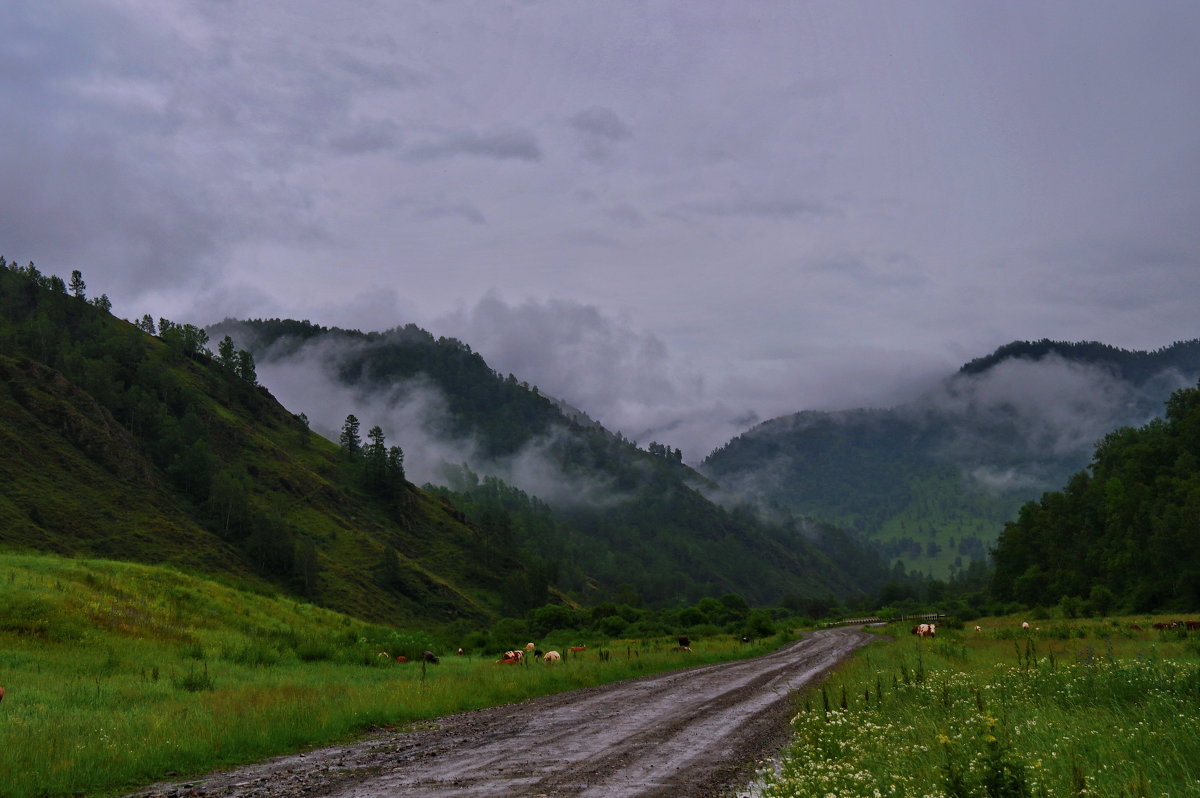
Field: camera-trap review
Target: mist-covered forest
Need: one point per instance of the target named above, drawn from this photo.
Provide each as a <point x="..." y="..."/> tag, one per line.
<point x="135" y="440"/>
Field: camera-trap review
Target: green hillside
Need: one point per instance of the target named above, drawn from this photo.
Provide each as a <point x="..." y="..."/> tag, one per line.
<point x="934" y="481"/>
<point x="122" y="444"/>
<point x="621" y="518"/>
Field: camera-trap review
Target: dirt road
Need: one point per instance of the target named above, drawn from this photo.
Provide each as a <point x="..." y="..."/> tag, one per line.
<point x="687" y="734"/>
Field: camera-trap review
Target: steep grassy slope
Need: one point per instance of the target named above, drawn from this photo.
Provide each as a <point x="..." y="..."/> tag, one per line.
<point x="120" y="444"/>
<point x="934" y="481"/>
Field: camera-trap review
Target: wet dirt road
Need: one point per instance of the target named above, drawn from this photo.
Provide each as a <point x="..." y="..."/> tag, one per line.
<point x="687" y="734"/>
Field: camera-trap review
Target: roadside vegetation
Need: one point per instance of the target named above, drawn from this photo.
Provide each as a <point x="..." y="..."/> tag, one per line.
<point x="1064" y="708"/>
<point x="118" y="675"/>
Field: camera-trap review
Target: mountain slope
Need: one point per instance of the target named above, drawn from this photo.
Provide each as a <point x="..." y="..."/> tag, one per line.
<point x="135" y="447"/>
<point x="934" y="481"/>
<point x="615" y="515"/>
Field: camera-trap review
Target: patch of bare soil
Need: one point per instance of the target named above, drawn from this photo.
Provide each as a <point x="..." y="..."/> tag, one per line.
<point x="688" y="734"/>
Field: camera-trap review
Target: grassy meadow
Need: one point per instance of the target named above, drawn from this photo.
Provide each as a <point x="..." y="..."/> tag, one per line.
<point x="1066" y="708"/>
<point x="118" y="675"/>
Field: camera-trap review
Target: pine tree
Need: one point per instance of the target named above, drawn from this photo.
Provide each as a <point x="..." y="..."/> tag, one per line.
<point x="226" y="354"/>
<point x="349" y="440"/>
<point x="245" y="367"/>
<point x="77" y="285"/>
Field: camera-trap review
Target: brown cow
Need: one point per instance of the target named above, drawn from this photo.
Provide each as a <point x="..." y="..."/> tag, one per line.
<point x="1193" y="626"/>
<point x="401" y="658"/>
<point x="577" y="649"/>
<point x="1" y="693"/>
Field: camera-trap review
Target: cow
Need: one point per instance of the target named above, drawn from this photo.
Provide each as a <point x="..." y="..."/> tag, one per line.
<point x="551" y="656"/>
<point x="430" y="657"/>
<point x="577" y="649"/>
<point x="383" y="655"/>
<point x="1133" y="627"/>
<point x="978" y="628"/>
<point x="401" y="658"/>
<point x="1025" y="625"/>
<point x="924" y="630"/>
<point x="507" y="661"/>
<point x="1" y="693"/>
<point x="684" y="642"/>
<point x="460" y="652"/>
<point x="1193" y="626"/>
<point x="516" y="655"/>
<point x="529" y="648"/>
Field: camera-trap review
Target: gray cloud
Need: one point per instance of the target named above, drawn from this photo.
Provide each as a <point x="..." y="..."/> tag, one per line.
<point x="764" y="208"/>
<point x="517" y="145"/>
<point x="463" y="210"/>
<point x="367" y="136"/>
<point x="747" y="175"/>
<point x="599" y="131"/>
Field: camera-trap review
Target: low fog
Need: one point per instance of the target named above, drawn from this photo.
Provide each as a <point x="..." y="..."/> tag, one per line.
<point x="411" y="413"/>
<point x="632" y="382"/>
<point x="1004" y="424"/>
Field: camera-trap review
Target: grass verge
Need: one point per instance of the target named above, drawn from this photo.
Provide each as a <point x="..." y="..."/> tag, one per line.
<point x="1088" y="708"/>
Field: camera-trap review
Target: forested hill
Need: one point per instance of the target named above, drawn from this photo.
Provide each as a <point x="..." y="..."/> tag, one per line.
<point x="1124" y="534"/>
<point x="1133" y="366"/>
<point x="134" y="442"/>
<point x="609" y="516"/>
<point x="934" y="480"/>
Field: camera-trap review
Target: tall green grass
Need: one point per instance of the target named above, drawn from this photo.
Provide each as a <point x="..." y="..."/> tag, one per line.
<point x="119" y="675"/>
<point x="1087" y="709"/>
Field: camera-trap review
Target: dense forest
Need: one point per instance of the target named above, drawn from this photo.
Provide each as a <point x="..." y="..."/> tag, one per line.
<point x="1123" y="534"/>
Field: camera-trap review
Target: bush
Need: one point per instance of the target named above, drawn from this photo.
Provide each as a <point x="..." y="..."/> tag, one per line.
<point x="758" y="624"/>
<point x="612" y="626"/>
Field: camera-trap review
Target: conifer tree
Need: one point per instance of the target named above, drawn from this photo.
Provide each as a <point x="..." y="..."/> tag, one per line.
<point x="77" y="285"/>
<point x="349" y="440"/>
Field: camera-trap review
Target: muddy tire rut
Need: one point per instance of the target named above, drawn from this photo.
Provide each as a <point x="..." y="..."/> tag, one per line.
<point x="688" y="734"/>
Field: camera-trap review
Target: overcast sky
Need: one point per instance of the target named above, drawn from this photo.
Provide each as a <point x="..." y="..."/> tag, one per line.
<point x="677" y="215"/>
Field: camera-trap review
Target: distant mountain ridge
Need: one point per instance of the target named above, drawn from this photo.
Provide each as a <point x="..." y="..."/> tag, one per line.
<point x="1136" y="366"/>
<point x="934" y="480"/>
